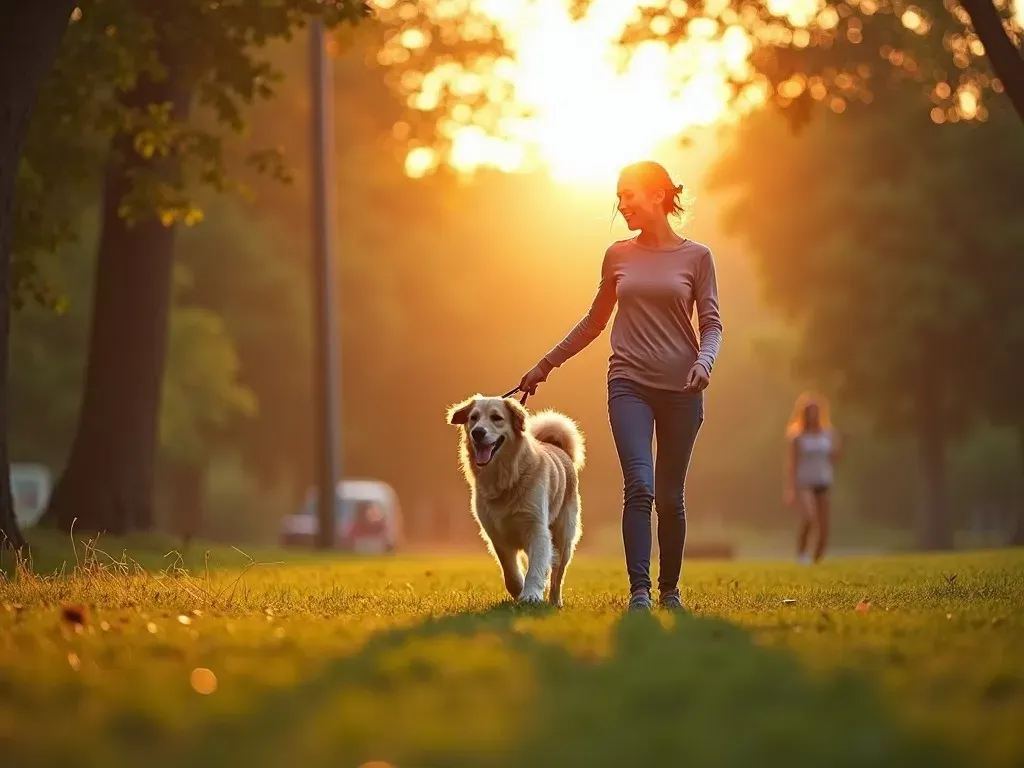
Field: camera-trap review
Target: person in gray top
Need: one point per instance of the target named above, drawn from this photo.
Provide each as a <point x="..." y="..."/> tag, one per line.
<point x="813" y="450"/>
<point x="657" y="371"/>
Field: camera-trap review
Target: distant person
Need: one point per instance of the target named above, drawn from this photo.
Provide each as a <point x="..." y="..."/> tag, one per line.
<point x="657" y="371"/>
<point x="812" y="452"/>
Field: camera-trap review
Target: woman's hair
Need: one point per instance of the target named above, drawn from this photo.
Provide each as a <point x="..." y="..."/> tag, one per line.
<point x="797" y="420"/>
<point x="654" y="177"/>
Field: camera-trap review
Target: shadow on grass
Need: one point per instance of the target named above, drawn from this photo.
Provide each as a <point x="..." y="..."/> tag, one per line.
<point x="479" y="690"/>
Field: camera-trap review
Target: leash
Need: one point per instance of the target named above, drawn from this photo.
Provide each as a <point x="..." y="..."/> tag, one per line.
<point x="522" y="400"/>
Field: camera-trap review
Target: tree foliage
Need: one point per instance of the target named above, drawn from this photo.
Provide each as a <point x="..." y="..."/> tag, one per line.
<point x="850" y="52"/>
<point x="876" y="236"/>
<point x="193" y="67"/>
<point x="203" y="393"/>
<point x="218" y="48"/>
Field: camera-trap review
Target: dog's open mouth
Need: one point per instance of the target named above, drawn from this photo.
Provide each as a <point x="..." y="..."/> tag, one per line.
<point x="483" y="453"/>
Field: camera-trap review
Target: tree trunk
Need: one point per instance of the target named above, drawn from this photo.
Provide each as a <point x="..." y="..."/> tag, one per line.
<point x="30" y="38"/>
<point x="933" y="528"/>
<point x="1007" y="62"/>
<point x="108" y="482"/>
<point x="186" y="483"/>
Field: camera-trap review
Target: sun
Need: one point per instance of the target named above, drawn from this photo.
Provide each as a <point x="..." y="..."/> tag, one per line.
<point x="567" y="98"/>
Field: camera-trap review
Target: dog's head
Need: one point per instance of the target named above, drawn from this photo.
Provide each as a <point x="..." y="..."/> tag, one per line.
<point x="489" y="425"/>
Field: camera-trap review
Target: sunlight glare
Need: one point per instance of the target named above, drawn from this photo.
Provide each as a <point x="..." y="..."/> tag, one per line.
<point x="567" y="97"/>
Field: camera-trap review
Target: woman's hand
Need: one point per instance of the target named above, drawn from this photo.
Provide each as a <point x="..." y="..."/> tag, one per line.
<point x="531" y="379"/>
<point x="698" y="378"/>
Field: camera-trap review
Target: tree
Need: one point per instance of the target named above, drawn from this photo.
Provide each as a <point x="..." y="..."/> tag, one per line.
<point x="82" y="481"/>
<point x="988" y="17"/>
<point x="202" y="393"/>
<point x="988" y="208"/>
<point x="851" y="51"/>
<point x="876" y="262"/>
<point x="189" y="57"/>
<point x="202" y="400"/>
<point x="30" y="38"/>
<point x="252" y="262"/>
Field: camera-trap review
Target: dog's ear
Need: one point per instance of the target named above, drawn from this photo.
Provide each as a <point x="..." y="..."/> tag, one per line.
<point x="516" y="414"/>
<point x="459" y="414"/>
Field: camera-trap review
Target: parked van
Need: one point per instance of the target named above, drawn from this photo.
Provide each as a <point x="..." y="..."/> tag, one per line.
<point x="367" y="518"/>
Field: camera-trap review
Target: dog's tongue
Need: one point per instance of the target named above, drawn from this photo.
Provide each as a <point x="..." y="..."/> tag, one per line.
<point x="482" y="453"/>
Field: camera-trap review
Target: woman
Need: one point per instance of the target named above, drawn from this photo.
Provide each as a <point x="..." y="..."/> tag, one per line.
<point x="813" y="451"/>
<point x="657" y="371"/>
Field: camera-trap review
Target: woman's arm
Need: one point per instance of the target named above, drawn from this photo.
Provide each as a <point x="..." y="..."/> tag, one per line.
<point x="592" y="324"/>
<point x="709" y="318"/>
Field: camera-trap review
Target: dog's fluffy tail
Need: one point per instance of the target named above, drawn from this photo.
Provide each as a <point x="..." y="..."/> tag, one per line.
<point x="560" y="431"/>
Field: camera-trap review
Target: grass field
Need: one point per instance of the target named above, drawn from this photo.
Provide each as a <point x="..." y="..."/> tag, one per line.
<point x="418" y="662"/>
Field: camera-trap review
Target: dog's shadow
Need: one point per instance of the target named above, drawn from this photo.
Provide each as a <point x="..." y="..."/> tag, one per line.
<point x="530" y="685"/>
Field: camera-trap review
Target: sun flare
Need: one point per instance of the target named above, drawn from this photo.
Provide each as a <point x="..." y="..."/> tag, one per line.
<point x="567" y="97"/>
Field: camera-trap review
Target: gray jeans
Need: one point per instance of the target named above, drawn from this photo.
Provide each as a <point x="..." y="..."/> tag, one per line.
<point x="637" y="413"/>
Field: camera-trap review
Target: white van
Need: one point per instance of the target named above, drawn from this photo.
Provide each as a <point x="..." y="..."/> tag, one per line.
<point x="367" y="518"/>
<point x="31" y="485"/>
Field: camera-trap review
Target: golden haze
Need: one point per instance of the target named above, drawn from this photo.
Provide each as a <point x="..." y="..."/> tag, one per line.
<point x="567" y="98"/>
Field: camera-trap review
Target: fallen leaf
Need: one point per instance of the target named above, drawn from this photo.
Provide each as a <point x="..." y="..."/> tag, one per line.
<point x="863" y="606"/>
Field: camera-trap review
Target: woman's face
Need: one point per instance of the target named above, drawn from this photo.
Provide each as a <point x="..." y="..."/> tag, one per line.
<point x="639" y="207"/>
<point x="811" y="415"/>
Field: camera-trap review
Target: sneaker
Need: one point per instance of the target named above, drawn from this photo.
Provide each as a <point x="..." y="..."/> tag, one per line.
<point x="640" y="600"/>
<point x="670" y="601"/>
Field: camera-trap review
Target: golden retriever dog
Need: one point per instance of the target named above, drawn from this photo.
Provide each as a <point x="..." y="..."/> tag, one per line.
<point x="522" y="471"/>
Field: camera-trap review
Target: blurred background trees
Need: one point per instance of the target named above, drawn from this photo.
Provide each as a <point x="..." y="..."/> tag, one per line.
<point x="863" y="211"/>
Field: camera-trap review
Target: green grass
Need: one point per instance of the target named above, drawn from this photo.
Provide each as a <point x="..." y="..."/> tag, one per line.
<point x="421" y="662"/>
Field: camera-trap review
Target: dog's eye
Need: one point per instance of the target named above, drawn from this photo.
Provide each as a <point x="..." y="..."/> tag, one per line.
<point x="497" y="419"/>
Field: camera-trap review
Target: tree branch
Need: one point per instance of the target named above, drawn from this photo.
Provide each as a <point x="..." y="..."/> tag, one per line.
<point x="1006" y="59"/>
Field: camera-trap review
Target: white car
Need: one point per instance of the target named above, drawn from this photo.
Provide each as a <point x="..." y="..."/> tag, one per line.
<point x="367" y="518"/>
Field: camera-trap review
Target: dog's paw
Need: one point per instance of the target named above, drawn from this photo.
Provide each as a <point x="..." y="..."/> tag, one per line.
<point x="530" y="597"/>
<point x="514" y="589"/>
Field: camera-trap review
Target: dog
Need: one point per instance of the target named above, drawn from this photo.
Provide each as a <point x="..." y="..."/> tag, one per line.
<point x="523" y="473"/>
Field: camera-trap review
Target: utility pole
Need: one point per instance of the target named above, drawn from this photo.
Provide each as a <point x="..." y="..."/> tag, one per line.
<point x="326" y="414"/>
